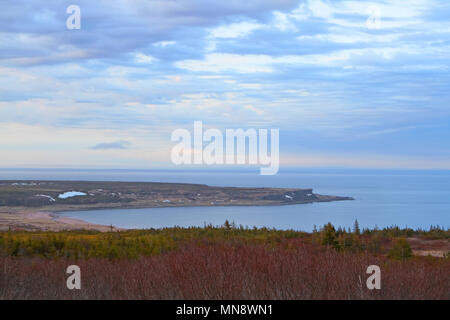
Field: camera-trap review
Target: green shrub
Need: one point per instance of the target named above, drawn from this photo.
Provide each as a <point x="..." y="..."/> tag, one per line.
<point x="401" y="249"/>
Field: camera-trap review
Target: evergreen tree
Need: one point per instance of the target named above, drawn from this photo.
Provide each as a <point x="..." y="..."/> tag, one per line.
<point x="356" y="229"/>
<point x="401" y="250"/>
<point x="329" y="236"/>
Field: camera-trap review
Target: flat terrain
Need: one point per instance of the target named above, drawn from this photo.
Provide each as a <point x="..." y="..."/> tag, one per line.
<point x="31" y="205"/>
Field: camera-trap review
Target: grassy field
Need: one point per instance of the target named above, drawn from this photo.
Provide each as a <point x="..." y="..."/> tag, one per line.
<point x="227" y="262"/>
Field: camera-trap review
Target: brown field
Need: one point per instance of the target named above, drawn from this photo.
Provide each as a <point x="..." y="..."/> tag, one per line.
<point x="229" y="270"/>
<point x="226" y="262"/>
<point x="426" y="247"/>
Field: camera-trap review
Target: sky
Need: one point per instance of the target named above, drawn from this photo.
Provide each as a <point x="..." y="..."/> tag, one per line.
<point x="353" y="84"/>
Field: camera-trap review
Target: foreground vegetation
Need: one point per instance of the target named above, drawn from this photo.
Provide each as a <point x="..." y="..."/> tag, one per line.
<point x="137" y="243"/>
<point x="227" y="262"/>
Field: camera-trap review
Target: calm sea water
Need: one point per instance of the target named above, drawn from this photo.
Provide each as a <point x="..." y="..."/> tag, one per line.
<point x="383" y="198"/>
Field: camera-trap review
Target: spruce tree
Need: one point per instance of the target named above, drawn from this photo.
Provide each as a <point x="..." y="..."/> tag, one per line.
<point x="356" y="229"/>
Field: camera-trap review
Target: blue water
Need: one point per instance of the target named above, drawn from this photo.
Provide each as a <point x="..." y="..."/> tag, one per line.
<point x="415" y="199"/>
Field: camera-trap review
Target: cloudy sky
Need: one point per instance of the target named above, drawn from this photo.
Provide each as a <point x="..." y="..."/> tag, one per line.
<point x="344" y="88"/>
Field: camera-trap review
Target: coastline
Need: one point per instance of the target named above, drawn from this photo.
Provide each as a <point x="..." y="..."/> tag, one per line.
<point x="27" y="219"/>
<point x="35" y="204"/>
<point x="48" y="218"/>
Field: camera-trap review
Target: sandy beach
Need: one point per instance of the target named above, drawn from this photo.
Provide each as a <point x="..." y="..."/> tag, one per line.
<point x="33" y="220"/>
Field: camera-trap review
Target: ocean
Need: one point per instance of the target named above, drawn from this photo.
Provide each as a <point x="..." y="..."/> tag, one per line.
<point x="416" y="199"/>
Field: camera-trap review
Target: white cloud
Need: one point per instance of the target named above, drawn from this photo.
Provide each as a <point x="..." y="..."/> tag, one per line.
<point x="142" y="58"/>
<point x="235" y="30"/>
<point x="254" y="109"/>
<point x="226" y="62"/>
<point x="222" y="62"/>
<point x="317" y="68"/>
<point x="394" y="14"/>
<point x="254" y="86"/>
<point x="164" y="43"/>
<point x="283" y="22"/>
<point x="337" y="35"/>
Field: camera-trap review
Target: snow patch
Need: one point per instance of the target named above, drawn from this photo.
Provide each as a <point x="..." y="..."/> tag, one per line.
<point x="23" y="184"/>
<point x="70" y="194"/>
<point x="46" y="196"/>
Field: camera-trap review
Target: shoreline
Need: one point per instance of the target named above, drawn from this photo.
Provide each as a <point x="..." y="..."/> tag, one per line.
<point x="36" y="204"/>
<point x="198" y="205"/>
<point x="39" y="220"/>
<point x="49" y="219"/>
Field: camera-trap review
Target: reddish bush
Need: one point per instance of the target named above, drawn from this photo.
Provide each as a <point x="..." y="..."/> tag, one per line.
<point x="229" y="270"/>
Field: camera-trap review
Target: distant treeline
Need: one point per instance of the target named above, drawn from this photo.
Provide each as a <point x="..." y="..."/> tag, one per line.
<point x="133" y="244"/>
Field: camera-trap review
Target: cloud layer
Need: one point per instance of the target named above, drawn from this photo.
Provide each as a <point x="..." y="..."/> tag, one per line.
<point x="335" y="87"/>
